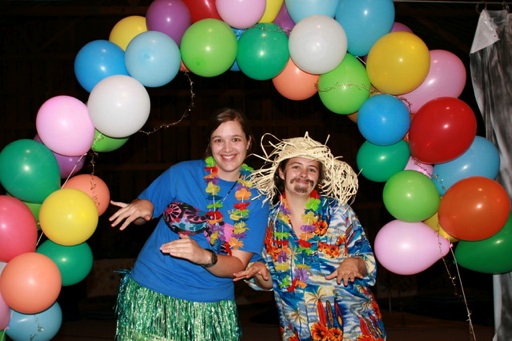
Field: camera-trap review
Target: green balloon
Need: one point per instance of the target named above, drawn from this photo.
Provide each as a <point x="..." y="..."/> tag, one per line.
<point x="29" y="170"/>
<point x="379" y="163"/>
<point x="104" y="143"/>
<point x="491" y="255"/>
<point x="411" y="196"/>
<point x="208" y="47"/>
<point x="263" y="51"/>
<point x="345" y="88"/>
<point x="74" y="262"/>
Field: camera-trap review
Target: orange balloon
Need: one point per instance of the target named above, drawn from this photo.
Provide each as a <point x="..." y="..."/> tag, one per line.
<point x="30" y="283"/>
<point x="93" y="186"/>
<point x="295" y="84"/>
<point x="474" y="208"/>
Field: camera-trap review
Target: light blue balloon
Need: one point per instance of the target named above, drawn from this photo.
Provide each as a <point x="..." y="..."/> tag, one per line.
<point x="364" y="22"/>
<point x="300" y="9"/>
<point x="153" y="58"/>
<point x="481" y="159"/>
<point x="383" y="119"/>
<point x="98" y="60"/>
<point x="42" y="326"/>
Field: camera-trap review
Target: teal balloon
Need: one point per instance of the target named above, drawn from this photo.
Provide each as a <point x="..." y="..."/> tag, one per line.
<point x="411" y="196"/>
<point x="379" y="163"/>
<point x="491" y="255"/>
<point x="208" y="47"/>
<point x="29" y="170"/>
<point x="74" y="262"/>
<point x="263" y="51"/>
<point x="345" y="88"/>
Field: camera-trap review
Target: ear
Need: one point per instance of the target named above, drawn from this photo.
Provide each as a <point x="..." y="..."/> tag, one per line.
<point x="281" y="173"/>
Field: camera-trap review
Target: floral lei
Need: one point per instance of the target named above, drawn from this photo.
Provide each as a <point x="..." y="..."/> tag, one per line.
<point x="278" y="245"/>
<point x="239" y="214"/>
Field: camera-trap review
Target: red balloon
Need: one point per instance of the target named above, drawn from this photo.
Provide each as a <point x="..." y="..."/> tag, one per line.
<point x="442" y="130"/>
<point x="30" y="283"/>
<point x="18" y="228"/>
<point x="202" y="9"/>
<point x="474" y="209"/>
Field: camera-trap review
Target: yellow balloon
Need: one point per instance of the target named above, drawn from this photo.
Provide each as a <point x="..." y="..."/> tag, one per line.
<point x="398" y="63"/>
<point x="126" y="29"/>
<point x="433" y="222"/>
<point x="271" y="11"/>
<point x="68" y="216"/>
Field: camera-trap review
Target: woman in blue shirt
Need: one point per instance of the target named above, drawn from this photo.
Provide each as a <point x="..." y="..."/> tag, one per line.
<point x="181" y="286"/>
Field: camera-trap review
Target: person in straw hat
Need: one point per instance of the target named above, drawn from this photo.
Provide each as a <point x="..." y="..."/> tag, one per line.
<point x="317" y="258"/>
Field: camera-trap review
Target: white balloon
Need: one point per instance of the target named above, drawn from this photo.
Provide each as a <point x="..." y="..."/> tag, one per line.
<point x="317" y="44"/>
<point x="119" y="106"/>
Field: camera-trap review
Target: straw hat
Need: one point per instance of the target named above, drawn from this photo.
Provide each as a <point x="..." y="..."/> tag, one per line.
<point x="339" y="181"/>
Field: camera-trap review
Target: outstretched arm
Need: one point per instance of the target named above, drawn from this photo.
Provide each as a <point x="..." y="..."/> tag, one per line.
<point x="137" y="212"/>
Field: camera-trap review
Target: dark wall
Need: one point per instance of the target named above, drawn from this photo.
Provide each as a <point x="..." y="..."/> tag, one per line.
<point x="37" y="51"/>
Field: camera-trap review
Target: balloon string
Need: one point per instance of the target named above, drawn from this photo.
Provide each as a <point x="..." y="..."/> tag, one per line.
<point x="183" y="116"/>
<point x="472" y="336"/>
<point x="73" y="170"/>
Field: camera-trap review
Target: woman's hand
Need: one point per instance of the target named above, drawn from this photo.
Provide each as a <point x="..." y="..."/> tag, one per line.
<point x="138" y="212"/>
<point x="349" y="270"/>
<point x="187" y="248"/>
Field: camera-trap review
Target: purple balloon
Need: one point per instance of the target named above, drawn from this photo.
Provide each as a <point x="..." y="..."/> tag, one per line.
<point x="284" y="20"/>
<point x="171" y="17"/>
<point x="69" y="165"/>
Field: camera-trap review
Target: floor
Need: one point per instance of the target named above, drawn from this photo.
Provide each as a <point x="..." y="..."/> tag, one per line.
<point x="258" y="323"/>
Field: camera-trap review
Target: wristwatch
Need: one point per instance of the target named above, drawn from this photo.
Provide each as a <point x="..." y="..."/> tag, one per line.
<point x="213" y="260"/>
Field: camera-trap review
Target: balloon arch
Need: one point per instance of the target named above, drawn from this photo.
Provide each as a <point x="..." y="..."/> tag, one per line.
<point x="420" y="137"/>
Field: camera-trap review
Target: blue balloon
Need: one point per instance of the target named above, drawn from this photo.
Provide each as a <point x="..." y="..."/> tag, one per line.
<point x="300" y="9"/>
<point x="383" y="120"/>
<point x="481" y="159"/>
<point x="42" y="326"/>
<point x="364" y="22"/>
<point x="98" y="60"/>
<point x="153" y="58"/>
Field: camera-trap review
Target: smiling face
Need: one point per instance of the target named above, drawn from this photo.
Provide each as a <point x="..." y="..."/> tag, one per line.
<point x="229" y="146"/>
<point x="300" y="176"/>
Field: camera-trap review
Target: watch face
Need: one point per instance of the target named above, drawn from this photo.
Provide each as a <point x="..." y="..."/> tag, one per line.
<point x="184" y="218"/>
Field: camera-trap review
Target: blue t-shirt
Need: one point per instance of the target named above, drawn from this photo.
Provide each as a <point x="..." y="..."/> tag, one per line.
<point x="177" y="277"/>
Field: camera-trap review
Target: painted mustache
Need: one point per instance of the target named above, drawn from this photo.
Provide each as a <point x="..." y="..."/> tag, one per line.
<point x="300" y="180"/>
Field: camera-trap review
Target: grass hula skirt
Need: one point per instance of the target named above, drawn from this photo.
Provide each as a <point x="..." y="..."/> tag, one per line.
<point x="146" y="315"/>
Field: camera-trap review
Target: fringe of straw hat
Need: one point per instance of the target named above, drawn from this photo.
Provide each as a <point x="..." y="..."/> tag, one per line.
<point x="339" y="181"/>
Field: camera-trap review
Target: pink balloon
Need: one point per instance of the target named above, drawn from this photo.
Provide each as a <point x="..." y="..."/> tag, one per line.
<point x="419" y="166"/>
<point x="399" y="27"/>
<point x="284" y="20"/>
<point x="64" y="126"/>
<point x="18" y="228"/>
<point x="241" y="14"/>
<point x="409" y="248"/>
<point x="5" y="313"/>
<point x="446" y="78"/>
<point x="171" y="17"/>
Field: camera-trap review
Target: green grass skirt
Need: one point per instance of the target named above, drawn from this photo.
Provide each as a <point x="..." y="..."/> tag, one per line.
<point x="146" y="315"/>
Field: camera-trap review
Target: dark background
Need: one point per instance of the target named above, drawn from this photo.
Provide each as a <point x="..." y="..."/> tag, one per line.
<point x="40" y="39"/>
